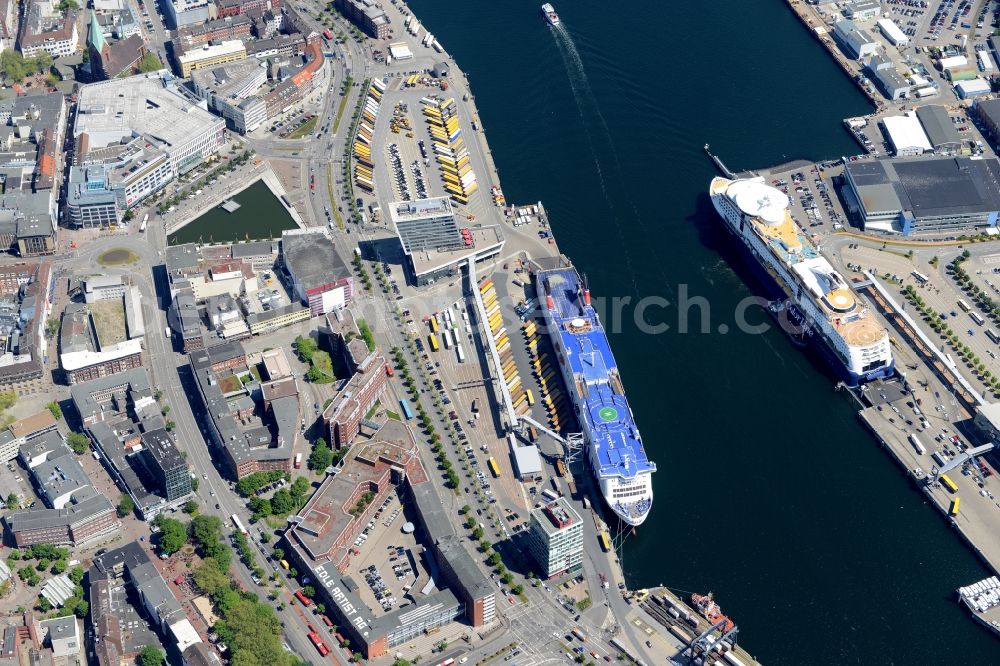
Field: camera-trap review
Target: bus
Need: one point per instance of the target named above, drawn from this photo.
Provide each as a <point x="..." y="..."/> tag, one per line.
<point x="238" y="524"/>
<point x="976" y="318"/>
<point x="434" y="324"/>
<point x="447" y="340"/>
<point x="919" y="277"/>
<point x="953" y="510"/>
<point x="303" y="598"/>
<point x="494" y="468"/>
<point x="460" y="352"/>
<point x="549" y="495"/>
<point x="965" y="306"/>
<point x="145" y="221"/>
<point x="433" y="340"/>
<point x="917" y="445"/>
<point x="992" y="335"/>
<point x="405" y="406"/>
<point x="948" y="483"/>
<point x="531" y="397"/>
<point x="605" y="542"/>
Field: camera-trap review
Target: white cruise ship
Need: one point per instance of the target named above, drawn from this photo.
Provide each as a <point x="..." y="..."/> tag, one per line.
<point x="818" y="301"/>
<point x="614" y="448"/>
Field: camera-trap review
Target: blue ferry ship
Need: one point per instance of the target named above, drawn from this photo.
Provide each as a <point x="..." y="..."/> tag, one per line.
<point x="614" y="447"/>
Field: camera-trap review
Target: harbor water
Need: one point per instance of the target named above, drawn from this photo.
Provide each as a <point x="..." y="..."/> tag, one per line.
<point x="769" y="493"/>
<point x="261" y="215"/>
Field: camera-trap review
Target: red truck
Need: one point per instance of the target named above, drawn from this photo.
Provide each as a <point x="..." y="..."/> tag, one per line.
<point x="303" y="598"/>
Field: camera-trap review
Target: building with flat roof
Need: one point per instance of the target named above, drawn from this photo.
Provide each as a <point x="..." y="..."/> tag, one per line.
<point x="83" y="355"/>
<point x="434" y="246"/>
<point x="987" y="111"/>
<point x="856" y="42"/>
<point x="186" y="12"/>
<point x="425" y="224"/>
<point x="861" y="10"/>
<point x="248" y="445"/>
<point x="91" y="199"/>
<point x="367" y="15"/>
<point x="20" y="432"/>
<point x="62" y="634"/>
<point x="939" y="128"/>
<point x="320" y="539"/>
<point x="231" y="91"/>
<point x="171" y="132"/>
<point x="45" y="28"/>
<point x="210" y="55"/>
<point x="101" y="399"/>
<point x="76" y="513"/>
<point x="555" y="538"/>
<point x="319" y="277"/>
<point x="906" y="134"/>
<point x="940" y="194"/>
<point x="882" y="71"/>
<point x="366" y="384"/>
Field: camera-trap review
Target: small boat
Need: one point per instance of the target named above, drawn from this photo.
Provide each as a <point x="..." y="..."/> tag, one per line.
<point x="550" y="14"/>
<point x="708" y="609"/>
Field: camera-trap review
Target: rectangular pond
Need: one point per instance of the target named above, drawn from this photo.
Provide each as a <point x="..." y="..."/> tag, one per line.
<point x="261" y="215"/>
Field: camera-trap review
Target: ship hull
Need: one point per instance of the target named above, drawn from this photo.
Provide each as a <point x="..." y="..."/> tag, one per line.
<point x="776" y="289"/>
<point x="606" y="484"/>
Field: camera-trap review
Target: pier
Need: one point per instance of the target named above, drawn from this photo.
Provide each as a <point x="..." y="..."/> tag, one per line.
<point x="229" y="206"/>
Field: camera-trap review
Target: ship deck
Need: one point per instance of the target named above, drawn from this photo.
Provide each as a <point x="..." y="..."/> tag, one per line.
<point x="838" y="302"/>
<point x="602" y="401"/>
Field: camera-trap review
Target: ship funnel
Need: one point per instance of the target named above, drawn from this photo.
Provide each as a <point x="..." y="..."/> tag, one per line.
<point x="549" y="303"/>
<point x="586" y="290"/>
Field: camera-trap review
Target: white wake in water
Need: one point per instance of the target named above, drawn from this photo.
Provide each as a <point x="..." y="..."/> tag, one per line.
<point x="586" y="104"/>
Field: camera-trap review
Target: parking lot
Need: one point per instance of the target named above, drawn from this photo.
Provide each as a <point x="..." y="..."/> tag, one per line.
<point x="392" y="563"/>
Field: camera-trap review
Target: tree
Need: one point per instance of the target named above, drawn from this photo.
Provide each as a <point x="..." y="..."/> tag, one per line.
<point x="12" y="65"/>
<point x="82" y="609"/>
<point x="465" y="509"/>
<point x="194" y="485"/>
<point x="150" y="63"/>
<point x="42" y="60"/>
<point x="76" y="575"/>
<point x="477" y="533"/>
<point x="173" y="534"/>
<point x="309" y="591"/>
<point x="12" y="502"/>
<point x="125" y="505"/>
<point x="78" y="442"/>
<point x="55" y="409"/>
<point x="321" y="456"/>
<point x="493" y="559"/>
<point x="44" y="604"/>
<point x="151" y="655"/>
<point x="191" y="507"/>
<point x="517" y="589"/>
<point x="58" y="566"/>
<point x="306" y="347"/>
<point x="209" y="577"/>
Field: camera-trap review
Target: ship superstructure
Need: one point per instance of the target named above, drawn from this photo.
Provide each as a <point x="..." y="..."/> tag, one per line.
<point x="819" y="301"/>
<point x="613" y="444"/>
<point x="550" y="14"/>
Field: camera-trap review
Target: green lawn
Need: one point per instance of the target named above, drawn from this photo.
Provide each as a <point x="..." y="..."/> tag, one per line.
<point x="392" y="415"/>
<point x="323" y="363"/>
<point x="305" y="130"/>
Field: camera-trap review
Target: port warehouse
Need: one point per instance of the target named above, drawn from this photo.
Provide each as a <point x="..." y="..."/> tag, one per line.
<point x="923" y="194"/>
<point x="320" y="541"/>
